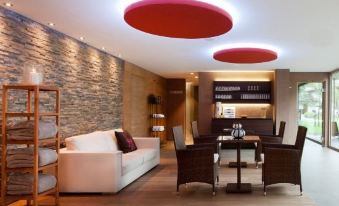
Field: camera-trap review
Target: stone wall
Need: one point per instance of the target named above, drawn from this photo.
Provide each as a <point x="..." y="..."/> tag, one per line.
<point x="90" y="80"/>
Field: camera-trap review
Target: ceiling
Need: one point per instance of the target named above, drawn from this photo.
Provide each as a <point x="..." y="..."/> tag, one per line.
<point x="305" y="33"/>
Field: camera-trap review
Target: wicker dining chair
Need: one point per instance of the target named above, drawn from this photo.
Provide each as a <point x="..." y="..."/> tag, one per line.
<point x="269" y="139"/>
<point x="198" y="138"/>
<point x="282" y="162"/>
<point x="196" y="163"/>
<point x="275" y="138"/>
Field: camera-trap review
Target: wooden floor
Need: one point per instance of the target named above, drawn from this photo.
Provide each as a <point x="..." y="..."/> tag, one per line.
<point x="158" y="188"/>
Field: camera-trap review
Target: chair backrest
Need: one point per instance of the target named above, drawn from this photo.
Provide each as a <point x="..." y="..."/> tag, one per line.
<point x="301" y="136"/>
<point x="282" y="129"/>
<point x="178" y="137"/>
<point x="195" y="131"/>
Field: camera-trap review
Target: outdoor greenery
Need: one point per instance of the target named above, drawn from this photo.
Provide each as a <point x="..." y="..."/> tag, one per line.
<point x="310" y="108"/>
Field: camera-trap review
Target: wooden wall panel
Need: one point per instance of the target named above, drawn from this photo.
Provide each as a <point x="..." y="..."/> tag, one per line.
<point x="176" y="103"/>
<point x="138" y="85"/>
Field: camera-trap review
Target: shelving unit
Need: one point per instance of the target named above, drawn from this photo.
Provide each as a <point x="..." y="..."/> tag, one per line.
<point x="32" y="91"/>
<point x="242" y="92"/>
<point x="155" y="119"/>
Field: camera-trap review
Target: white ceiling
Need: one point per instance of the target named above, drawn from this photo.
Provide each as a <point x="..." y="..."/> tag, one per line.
<point x="306" y="32"/>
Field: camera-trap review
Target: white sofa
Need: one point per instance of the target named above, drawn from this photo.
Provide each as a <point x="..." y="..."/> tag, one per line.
<point x="93" y="162"/>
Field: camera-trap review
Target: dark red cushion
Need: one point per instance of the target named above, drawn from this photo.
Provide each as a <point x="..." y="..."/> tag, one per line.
<point x="125" y="141"/>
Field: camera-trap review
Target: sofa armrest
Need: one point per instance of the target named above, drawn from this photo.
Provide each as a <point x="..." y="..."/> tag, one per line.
<point x="147" y="142"/>
<point x="83" y="171"/>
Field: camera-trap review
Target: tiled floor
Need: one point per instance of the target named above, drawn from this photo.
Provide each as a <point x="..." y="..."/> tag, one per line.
<point x="320" y="173"/>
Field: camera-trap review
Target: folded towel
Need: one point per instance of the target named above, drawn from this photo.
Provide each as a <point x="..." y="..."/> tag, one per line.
<point x="21" y="184"/>
<point x="47" y="156"/>
<point x="24" y="151"/>
<point x="23" y="157"/>
<point x="19" y="165"/>
<point x="20" y="157"/>
<point x="25" y="130"/>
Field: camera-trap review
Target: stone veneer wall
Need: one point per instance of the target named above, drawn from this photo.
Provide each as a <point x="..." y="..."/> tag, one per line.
<point x="90" y="80"/>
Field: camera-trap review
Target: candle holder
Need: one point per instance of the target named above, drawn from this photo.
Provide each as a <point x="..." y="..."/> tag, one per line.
<point x="238" y="132"/>
<point x="32" y="74"/>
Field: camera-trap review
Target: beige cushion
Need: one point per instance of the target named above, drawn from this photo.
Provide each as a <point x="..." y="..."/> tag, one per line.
<point x="112" y="135"/>
<point x="136" y="158"/>
<point x="131" y="161"/>
<point x="95" y="142"/>
<point x="262" y="155"/>
<point x="148" y="154"/>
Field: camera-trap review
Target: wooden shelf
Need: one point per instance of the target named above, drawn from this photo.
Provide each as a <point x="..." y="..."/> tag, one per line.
<point x="31" y="169"/>
<point x="30" y="197"/>
<point x="257" y="92"/>
<point x="10" y="201"/>
<point x="30" y="114"/>
<point x="31" y="87"/>
<point x="32" y="91"/>
<point x="48" y="140"/>
<point x="156" y="108"/>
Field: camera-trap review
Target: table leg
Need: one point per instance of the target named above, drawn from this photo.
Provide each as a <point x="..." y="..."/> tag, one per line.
<point x="238" y="187"/>
<point x="235" y="164"/>
<point x="238" y="166"/>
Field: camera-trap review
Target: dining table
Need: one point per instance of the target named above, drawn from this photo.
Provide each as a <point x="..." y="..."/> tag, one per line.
<point x="238" y="187"/>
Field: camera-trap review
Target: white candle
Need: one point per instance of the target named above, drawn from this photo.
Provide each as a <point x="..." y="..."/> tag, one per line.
<point x="35" y="77"/>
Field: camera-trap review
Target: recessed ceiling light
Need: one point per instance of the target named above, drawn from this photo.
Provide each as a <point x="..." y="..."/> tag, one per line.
<point x="196" y="77"/>
<point x="246" y="45"/>
<point x="245" y="55"/>
<point x="119" y="55"/>
<point x="8" y="4"/>
<point x="82" y="38"/>
<point x="103" y="48"/>
<point x="51" y="24"/>
<point x="192" y="73"/>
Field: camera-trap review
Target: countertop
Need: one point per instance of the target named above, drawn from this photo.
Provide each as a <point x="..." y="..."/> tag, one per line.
<point x="247" y="118"/>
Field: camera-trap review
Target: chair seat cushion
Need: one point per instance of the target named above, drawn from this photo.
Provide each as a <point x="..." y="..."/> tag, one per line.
<point x="216" y="157"/>
<point x="262" y="156"/>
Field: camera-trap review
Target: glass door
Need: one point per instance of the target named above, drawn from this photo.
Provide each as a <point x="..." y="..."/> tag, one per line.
<point x="310" y="109"/>
<point x="334" y="137"/>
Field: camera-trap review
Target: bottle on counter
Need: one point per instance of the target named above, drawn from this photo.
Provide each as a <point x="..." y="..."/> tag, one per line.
<point x="218" y="110"/>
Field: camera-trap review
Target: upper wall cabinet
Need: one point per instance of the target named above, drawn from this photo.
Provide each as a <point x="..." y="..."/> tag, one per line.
<point x="242" y="92"/>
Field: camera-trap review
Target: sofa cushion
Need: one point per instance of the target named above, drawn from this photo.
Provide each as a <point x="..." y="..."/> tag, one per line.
<point x="125" y="141"/>
<point x="112" y="135"/>
<point x="95" y="142"/>
<point x="148" y="154"/>
<point x="131" y="161"/>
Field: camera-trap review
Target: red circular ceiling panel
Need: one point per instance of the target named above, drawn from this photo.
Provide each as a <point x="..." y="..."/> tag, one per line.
<point x="178" y="18"/>
<point x="245" y="55"/>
